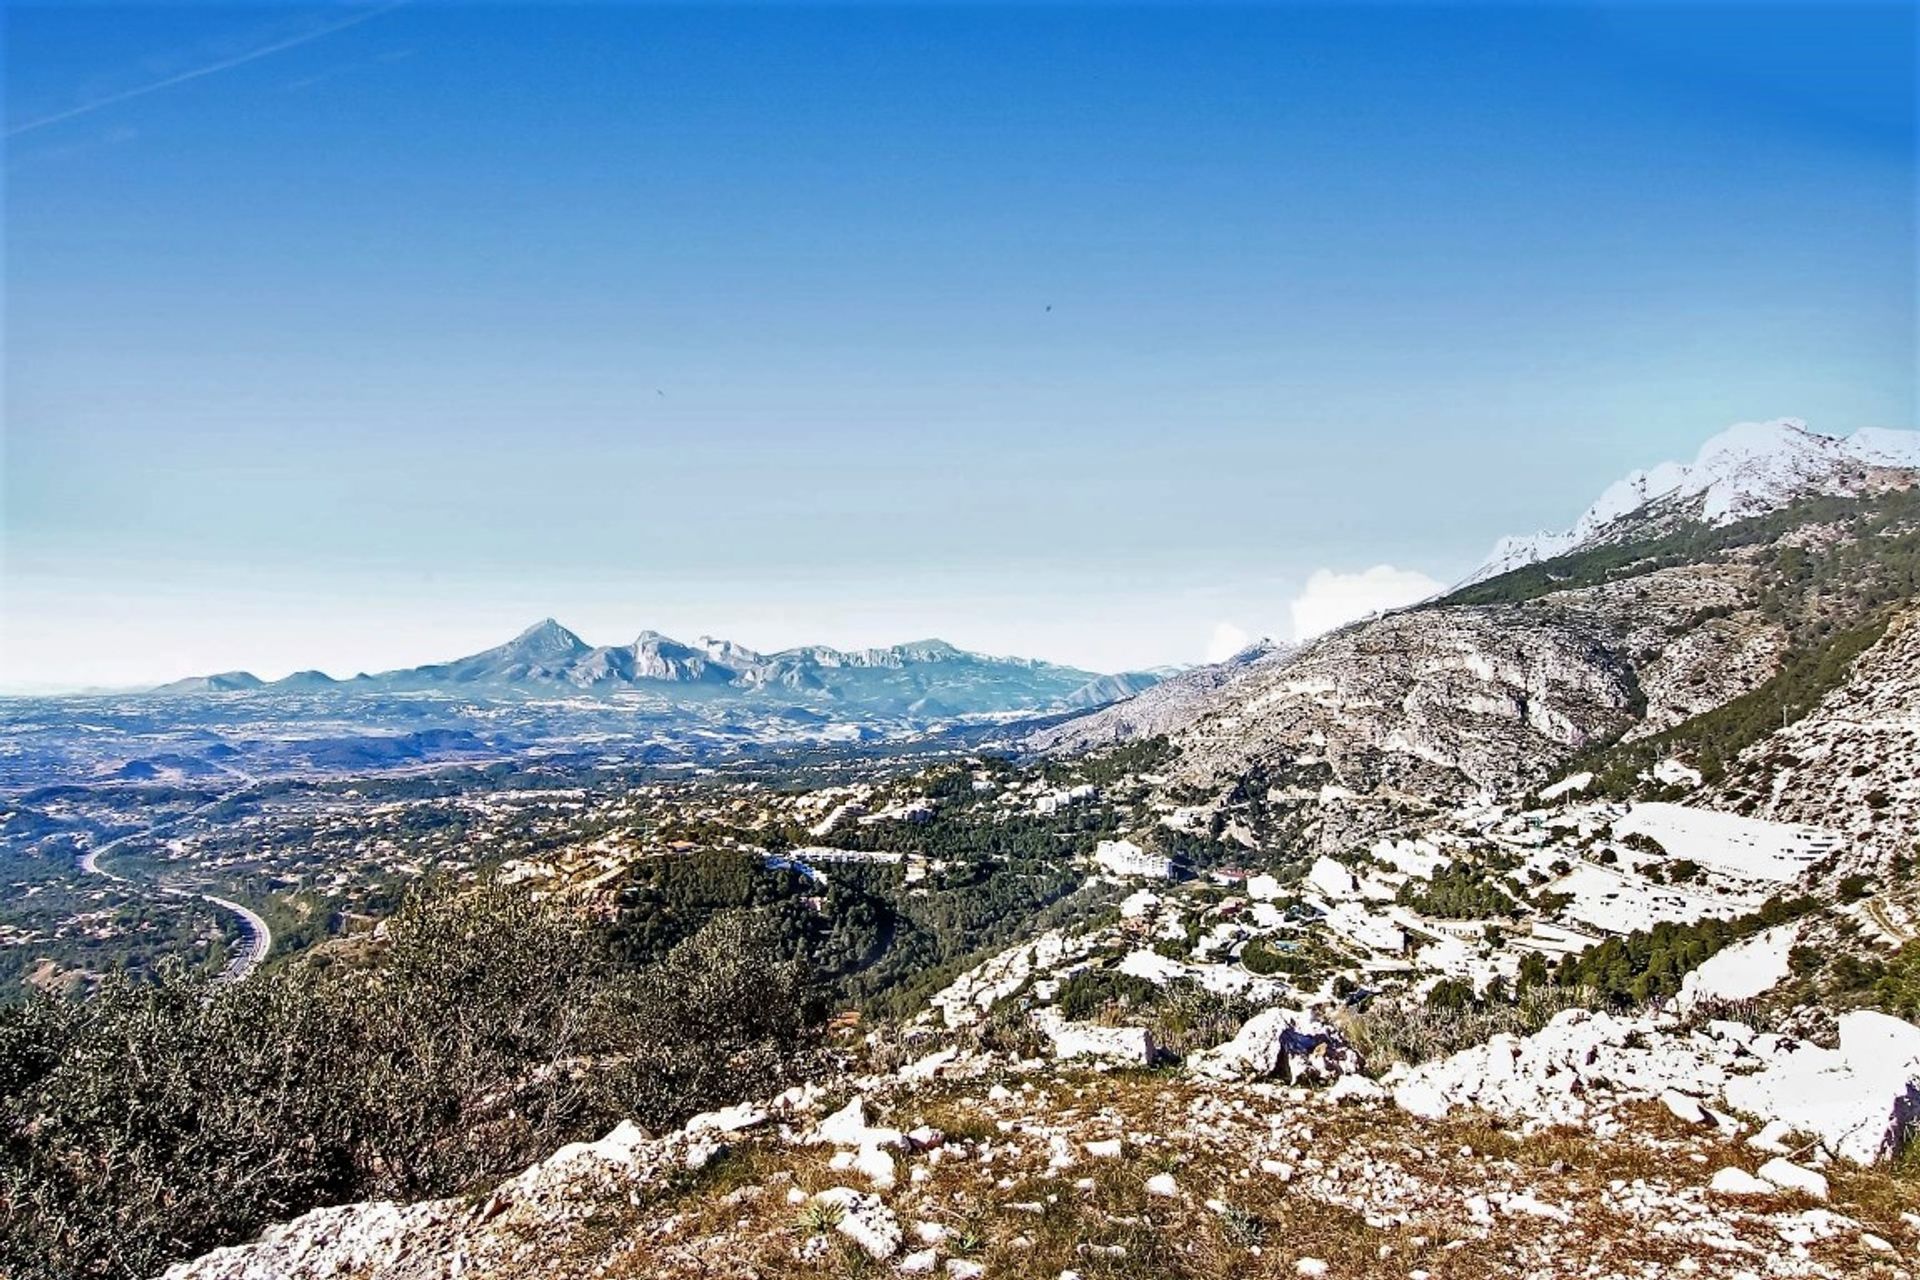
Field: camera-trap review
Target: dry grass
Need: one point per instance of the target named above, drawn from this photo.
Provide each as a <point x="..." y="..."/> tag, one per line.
<point x="1023" y="1219"/>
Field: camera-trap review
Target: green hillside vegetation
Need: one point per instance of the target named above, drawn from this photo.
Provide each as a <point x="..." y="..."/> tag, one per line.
<point x="1865" y="518"/>
<point x="1649" y="964"/>
<point x="1458" y="892"/>
<point x="1832" y="595"/>
<point x="157" y="1120"/>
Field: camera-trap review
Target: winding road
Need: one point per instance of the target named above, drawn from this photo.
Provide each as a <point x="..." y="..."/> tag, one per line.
<point x="259" y="935"/>
<point x="259" y="940"/>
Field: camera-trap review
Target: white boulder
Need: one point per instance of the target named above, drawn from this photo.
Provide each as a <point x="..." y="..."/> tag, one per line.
<point x="1738" y="1182"/>
<point x="1115" y="1046"/>
<point x="865" y="1220"/>
<point x="848" y="1127"/>
<point x="1860" y="1100"/>
<point x="1793" y="1177"/>
<point x="1292" y="1044"/>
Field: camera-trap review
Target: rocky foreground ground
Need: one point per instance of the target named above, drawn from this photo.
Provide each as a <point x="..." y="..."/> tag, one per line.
<point x="1576" y="1152"/>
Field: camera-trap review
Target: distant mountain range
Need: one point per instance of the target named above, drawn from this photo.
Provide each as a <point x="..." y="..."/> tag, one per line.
<point x="922" y="679"/>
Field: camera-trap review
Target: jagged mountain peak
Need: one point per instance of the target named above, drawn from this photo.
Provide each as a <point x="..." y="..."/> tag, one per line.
<point x="1746" y="470"/>
<point x="547" y="636"/>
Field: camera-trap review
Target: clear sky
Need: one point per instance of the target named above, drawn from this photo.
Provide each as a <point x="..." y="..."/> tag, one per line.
<point x="360" y="336"/>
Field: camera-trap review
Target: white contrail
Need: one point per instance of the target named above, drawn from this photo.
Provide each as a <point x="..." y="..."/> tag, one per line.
<point x="225" y="64"/>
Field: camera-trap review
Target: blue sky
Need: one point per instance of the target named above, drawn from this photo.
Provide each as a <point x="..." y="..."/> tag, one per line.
<point x="359" y="336"/>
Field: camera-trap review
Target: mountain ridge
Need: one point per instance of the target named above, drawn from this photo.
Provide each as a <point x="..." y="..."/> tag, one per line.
<point x="926" y="677"/>
<point x="1747" y="469"/>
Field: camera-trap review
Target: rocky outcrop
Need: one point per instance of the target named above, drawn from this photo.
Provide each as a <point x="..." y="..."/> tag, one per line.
<point x="1089" y="1042"/>
<point x="1861" y="1100"/>
<point x="463" y="1236"/>
<point x="1439" y="702"/>
<point x="1858" y="1101"/>
<point x="1165" y="709"/>
<point x="1290" y="1045"/>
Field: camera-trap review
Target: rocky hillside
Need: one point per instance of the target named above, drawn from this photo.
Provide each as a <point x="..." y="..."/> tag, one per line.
<point x="1673" y="621"/>
<point x="1564" y="926"/>
<point x="1853" y="762"/>
<point x="1597" y="1147"/>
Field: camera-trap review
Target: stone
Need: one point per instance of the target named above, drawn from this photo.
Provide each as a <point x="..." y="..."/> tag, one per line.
<point x="1687" y="1110"/>
<point x="1793" y="1177"/>
<point x="877" y="1167"/>
<point x="865" y="1220"/>
<point x="1292" y="1045"/>
<point x="1115" y="1046"/>
<point x="848" y="1127"/>
<point x="1860" y="1100"/>
<point x="1738" y="1182"/>
<point x="728" y="1119"/>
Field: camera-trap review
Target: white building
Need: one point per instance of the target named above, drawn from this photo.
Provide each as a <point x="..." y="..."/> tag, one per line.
<point x="1125" y="858"/>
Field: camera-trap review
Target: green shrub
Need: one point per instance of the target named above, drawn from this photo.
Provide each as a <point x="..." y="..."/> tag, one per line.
<point x="157" y="1120"/>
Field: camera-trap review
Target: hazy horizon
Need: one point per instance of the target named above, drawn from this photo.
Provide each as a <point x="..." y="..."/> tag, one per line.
<point x="357" y="337"/>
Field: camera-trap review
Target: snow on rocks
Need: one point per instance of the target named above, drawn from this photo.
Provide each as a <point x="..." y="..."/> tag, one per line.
<point x="1292" y="1044"/>
<point x="1115" y="1046"/>
<point x="1222" y="979"/>
<point x="728" y="1119"/>
<point x="1742" y="971"/>
<point x="939" y="1062"/>
<point x="1565" y="1072"/>
<point x="1332" y="879"/>
<point x="1263" y="888"/>
<point x="862" y="1146"/>
<point x="1732" y="1181"/>
<point x="1685" y="1109"/>
<point x="968" y="998"/>
<point x="1792" y="1177"/>
<point x="386" y="1239"/>
<point x="875" y="1165"/>
<point x="1572" y="784"/>
<point x="1860" y="1099"/>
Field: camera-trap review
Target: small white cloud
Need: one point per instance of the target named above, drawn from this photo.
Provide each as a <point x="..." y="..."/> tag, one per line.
<point x="1334" y="599"/>
<point x="1226" y="641"/>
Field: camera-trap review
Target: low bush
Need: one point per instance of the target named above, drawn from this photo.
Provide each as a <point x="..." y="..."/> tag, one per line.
<point x="156" y="1120"/>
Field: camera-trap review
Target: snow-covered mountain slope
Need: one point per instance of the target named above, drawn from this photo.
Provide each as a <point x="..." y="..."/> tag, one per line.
<point x="1746" y="470"/>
